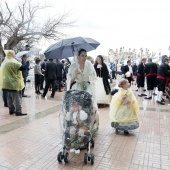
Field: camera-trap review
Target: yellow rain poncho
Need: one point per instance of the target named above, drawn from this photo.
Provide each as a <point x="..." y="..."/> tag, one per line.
<point x="10" y="75"/>
<point x="124" y="107"/>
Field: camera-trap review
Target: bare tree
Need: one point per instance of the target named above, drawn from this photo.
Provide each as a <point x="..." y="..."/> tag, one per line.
<point x="21" y="25"/>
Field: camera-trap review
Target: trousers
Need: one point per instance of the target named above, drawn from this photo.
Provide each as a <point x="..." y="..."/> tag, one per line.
<point x="151" y="82"/>
<point x="25" y="79"/>
<point x="48" y="82"/>
<point x="4" y="95"/>
<point x="15" y="101"/>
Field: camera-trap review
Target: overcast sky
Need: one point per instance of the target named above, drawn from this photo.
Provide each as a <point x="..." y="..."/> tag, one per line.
<point x="117" y="23"/>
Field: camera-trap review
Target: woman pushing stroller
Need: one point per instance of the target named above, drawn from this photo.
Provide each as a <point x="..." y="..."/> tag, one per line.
<point x="79" y="109"/>
<point x="81" y="76"/>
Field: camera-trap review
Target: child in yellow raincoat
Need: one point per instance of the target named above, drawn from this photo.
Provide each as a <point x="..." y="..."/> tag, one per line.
<point x="124" y="109"/>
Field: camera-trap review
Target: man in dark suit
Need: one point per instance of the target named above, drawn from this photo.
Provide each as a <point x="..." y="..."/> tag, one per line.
<point x="141" y="78"/>
<point x="150" y="73"/>
<point x="60" y="72"/>
<point x="50" y="77"/>
<point x="162" y="75"/>
<point x="128" y="72"/>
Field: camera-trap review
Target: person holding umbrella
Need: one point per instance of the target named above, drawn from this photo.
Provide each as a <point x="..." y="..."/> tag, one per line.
<point x="81" y="74"/>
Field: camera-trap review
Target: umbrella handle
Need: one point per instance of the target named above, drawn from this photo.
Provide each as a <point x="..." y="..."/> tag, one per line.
<point x="72" y="46"/>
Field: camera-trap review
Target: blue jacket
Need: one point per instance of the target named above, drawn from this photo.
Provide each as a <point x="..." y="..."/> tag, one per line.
<point x="25" y="68"/>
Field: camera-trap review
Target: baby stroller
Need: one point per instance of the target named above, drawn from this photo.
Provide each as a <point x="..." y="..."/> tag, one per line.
<point x="79" y="123"/>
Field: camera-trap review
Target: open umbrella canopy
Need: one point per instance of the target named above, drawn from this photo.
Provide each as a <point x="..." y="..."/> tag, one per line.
<point x="20" y="54"/>
<point x="67" y="47"/>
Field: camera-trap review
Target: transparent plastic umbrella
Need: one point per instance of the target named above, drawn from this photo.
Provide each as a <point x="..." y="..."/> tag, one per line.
<point x="20" y="54"/>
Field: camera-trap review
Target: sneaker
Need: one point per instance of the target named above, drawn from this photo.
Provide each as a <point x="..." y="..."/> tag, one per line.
<point x="77" y="151"/>
<point x="72" y="150"/>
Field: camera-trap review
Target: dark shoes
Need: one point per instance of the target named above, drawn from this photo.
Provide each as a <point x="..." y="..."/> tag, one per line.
<point x="24" y="95"/>
<point x="42" y="96"/>
<point x="126" y="132"/>
<point x="154" y="94"/>
<point x="162" y="103"/>
<point x="5" y="105"/>
<point x="144" y="95"/>
<point x="148" y="98"/>
<point x="60" y="91"/>
<point x="140" y="95"/>
<point x="52" y="96"/>
<point x="11" y="112"/>
<point x="20" y="114"/>
<point x="38" y="92"/>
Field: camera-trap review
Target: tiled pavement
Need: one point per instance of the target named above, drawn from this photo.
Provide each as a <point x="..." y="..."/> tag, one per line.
<point x="35" y="145"/>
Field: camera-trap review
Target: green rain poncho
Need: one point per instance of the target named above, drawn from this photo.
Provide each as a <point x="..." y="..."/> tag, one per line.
<point x="10" y="75"/>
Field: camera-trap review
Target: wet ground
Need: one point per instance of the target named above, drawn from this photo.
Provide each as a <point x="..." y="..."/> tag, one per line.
<point x="33" y="142"/>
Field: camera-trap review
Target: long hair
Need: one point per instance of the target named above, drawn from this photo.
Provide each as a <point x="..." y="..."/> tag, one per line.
<point x="100" y="56"/>
<point x="68" y="61"/>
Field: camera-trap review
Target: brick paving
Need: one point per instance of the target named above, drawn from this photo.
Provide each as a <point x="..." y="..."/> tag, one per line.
<point x="35" y="144"/>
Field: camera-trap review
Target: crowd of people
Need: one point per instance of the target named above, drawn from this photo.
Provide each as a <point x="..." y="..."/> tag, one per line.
<point x="89" y="76"/>
<point x="155" y="76"/>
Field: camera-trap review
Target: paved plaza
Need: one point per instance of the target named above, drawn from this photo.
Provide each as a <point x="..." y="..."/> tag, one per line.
<point x="33" y="142"/>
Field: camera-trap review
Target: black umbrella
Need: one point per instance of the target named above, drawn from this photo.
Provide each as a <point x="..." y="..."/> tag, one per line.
<point x="67" y="47"/>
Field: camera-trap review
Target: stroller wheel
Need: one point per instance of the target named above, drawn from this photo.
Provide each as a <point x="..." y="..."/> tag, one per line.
<point x="85" y="158"/>
<point x="92" y="143"/>
<point x="89" y="158"/>
<point x="112" y="124"/>
<point x="66" y="157"/>
<point x="59" y="157"/>
<point x="92" y="159"/>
